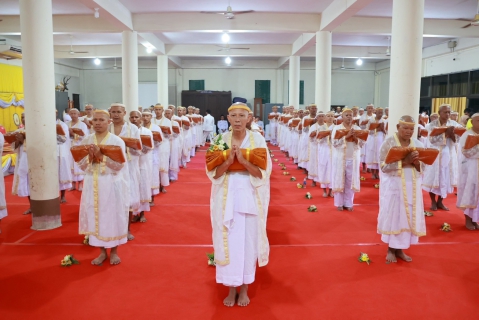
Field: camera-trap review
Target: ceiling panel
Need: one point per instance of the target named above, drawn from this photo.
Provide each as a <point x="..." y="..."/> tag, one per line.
<point x="433" y="9"/>
<point x="235" y="38"/>
<point x="341" y="39"/>
<point x="11" y="7"/>
<point x="306" y="6"/>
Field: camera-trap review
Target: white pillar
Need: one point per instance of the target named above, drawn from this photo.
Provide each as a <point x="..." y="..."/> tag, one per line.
<point x="279" y="86"/>
<point x="294" y="71"/>
<point x="39" y="83"/>
<point x="162" y="78"/>
<point x="129" y="70"/>
<point x="406" y="60"/>
<point x="323" y="70"/>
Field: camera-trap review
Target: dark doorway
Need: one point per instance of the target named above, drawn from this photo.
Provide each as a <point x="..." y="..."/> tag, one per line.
<point x="76" y="100"/>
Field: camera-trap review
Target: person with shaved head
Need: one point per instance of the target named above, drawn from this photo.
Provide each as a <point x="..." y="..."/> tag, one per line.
<point x="164" y="155"/>
<point x="76" y="139"/>
<point x="175" y="148"/>
<point x="273" y="126"/>
<point x="401" y="218"/>
<point x="363" y="124"/>
<point x="64" y="160"/>
<point x="441" y="178"/>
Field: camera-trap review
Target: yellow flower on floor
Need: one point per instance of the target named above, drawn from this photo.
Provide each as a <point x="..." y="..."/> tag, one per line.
<point x="312" y="208"/>
<point x="376" y="186"/>
<point x="292" y="179"/>
<point x="299" y="185"/>
<point x="363" y="257"/>
<point x="362" y="178"/>
<point x="275" y="160"/>
<point x="308" y="195"/>
<point x="446" y="227"/>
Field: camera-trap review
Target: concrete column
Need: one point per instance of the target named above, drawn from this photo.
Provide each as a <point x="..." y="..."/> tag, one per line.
<point x="162" y="79"/>
<point x="323" y="70"/>
<point x="39" y="83"/>
<point x="279" y="86"/>
<point x="294" y="71"/>
<point x="129" y="70"/>
<point x="406" y="60"/>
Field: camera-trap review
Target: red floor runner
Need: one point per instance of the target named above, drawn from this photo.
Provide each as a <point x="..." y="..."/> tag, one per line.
<point x="313" y="271"/>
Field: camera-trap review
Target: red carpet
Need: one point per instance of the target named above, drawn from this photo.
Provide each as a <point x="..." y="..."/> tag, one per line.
<point x="313" y="271"/>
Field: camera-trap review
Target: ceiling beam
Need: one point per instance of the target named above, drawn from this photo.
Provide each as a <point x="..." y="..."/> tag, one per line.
<point x="175" y="61"/>
<point x="209" y="50"/>
<point x="303" y="43"/>
<point x="340" y="11"/>
<point x="112" y="11"/>
<point x="149" y="39"/>
<point x="282" y="61"/>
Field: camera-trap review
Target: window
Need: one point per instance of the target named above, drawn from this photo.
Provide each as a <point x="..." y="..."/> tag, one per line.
<point x="262" y="89"/>
<point x="301" y="92"/>
<point x="197" y="85"/>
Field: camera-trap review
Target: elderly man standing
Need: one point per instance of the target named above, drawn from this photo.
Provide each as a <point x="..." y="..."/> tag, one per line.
<point x="239" y="209"/>
<point x="441" y="178"/>
<point x="273" y="126"/>
<point x="363" y="123"/>
<point x="345" y="163"/>
<point x="155" y="155"/>
<point x="374" y="142"/>
<point x="467" y="187"/>
<point x="76" y="139"/>
<point x="208" y="127"/>
<point x="164" y="155"/>
<point x="106" y="196"/>
<point x="175" y="147"/>
<point x="303" y="154"/>
<point x="401" y="211"/>
<point x="64" y="160"/>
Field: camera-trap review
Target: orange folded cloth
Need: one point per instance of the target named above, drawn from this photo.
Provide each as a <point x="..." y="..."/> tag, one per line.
<point x="167" y="130"/>
<point x="471" y="142"/>
<point x="312" y="134"/>
<point x="324" y="134"/>
<point x="176" y="129"/>
<point x="340" y="133"/>
<point x="424" y="133"/>
<point x="300" y="127"/>
<point x="459" y="131"/>
<point x="78" y="131"/>
<point x="308" y="122"/>
<point x="113" y="152"/>
<point x="132" y="142"/>
<point x="272" y="116"/>
<point x="437" y="131"/>
<point x="196" y="119"/>
<point x="295" y="122"/>
<point x="146" y="140"/>
<point x="339" y="121"/>
<point x="365" y="122"/>
<point x="356" y="121"/>
<point x="257" y="156"/>
<point x="60" y="130"/>
<point x="426" y="155"/>
<point x="286" y="119"/>
<point x="361" y="134"/>
<point x="374" y="126"/>
<point x="12" y="136"/>
<point x="185" y="123"/>
<point x="157" y="136"/>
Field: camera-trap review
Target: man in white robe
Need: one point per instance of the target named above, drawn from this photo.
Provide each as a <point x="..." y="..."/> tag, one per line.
<point x="87" y="118"/>
<point x="239" y="220"/>
<point x="401" y="211"/>
<point x="441" y="178"/>
<point x="122" y="128"/>
<point x="324" y="154"/>
<point x="294" y="136"/>
<point x="164" y="155"/>
<point x="155" y="156"/>
<point x="3" y="204"/>
<point x="76" y="139"/>
<point x="303" y="154"/>
<point x="345" y="165"/>
<point x="208" y="127"/>
<point x="190" y="116"/>
<point x="146" y="166"/>
<point x="468" y="182"/>
<point x="179" y="136"/>
<point x="21" y="181"/>
<point x="312" y="165"/>
<point x="363" y="123"/>
<point x="105" y="198"/>
<point x="186" y="135"/>
<point x="64" y="161"/>
<point x="174" y="168"/>
<point x="374" y="142"/>
<point x="273" y="126"/>
<point x="222" y="125"/>
<point x="199" y="128"/>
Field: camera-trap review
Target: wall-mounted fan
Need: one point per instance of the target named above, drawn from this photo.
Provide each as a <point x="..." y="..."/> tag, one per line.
<point x="474" y="22"/>
<point x="229" y="13"/>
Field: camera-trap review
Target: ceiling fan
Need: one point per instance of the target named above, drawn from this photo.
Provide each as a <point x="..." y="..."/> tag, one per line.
<point x="71" y="48"/>
<point x="229" y="13"/>
<point x="474" y="22"/>
<point x="114" y="67"/>
<point x="388" y="50"/>
<point x="228" y="48"/>
<point x="343" y="67"/>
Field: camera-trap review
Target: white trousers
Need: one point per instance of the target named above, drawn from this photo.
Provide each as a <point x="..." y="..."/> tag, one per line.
<point x="207" y="135"/>
<point x="346" y="198"/>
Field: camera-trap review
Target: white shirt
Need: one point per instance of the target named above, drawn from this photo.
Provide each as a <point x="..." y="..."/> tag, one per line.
<point x="209" y="123"/>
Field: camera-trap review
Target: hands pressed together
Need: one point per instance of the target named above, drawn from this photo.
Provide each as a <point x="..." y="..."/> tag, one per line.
<point x="236" y="152"/>
<point x="412" y="158"/>
<point x="94" y="154"/>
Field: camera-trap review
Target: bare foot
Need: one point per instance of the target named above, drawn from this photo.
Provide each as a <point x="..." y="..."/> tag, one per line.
<point x="401" y="255"/>
<point x="63" y="200"/>
<point x="114" y="259"/>
<point x="433" y="207"/>
<point x="243" y="299"/>
<point x="135" y="219"/>
<point x="143" y="219"/>
<point x="313" y="184"/>
<point x="130" y="236"/>
<point x="476" y="225"/>
<point x="152" y="204"/>
<point x="28" y="211"/>
<point x="441" y="206"/>
<point x="391" y="256"/>
<point x="163" y="190"/>
<point x="349" y="208"/>
<point x="340" y="208"/>
<point x="230" y="300"/>
<point x="80" y="189"/>
<point x="325" y="195"/>
<point x="331" y="194"/>
<point x="72" y="189"/>
<point x="99" y="260"/>
<point x="469" y="224"/>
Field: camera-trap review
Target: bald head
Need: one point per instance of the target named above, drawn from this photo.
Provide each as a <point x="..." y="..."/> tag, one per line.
<point x="407" y="119"/>
<point x="405" y="127"/>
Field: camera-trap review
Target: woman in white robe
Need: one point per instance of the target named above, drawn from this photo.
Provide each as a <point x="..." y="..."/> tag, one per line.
<point x="468" y="182"/>
<point x="239" y="210"/>
<point x="401" y="218"/>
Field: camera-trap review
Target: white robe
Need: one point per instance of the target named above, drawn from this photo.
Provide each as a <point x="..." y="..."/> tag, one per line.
<point x="186" y="147"/>
<point x="155" y="158"/>
<point x="129" y="130"/>
<point x="303" y="151"/>
<point x="164" y="149"/>
<point x="105" y="198"/>
<point x="401" y="210"/>
<point x="468" y="182"/>
<point x="363" y="118"/>
<point x="312" y="165"/>
<point x="373" y="144"/>
<point x="273" y="128"/>
<point x="146" y="168"/>
<point x="175" y="152"/>
<point x="239" y="222"/>
<point x="3" y="204"/>
<point x="77" y="174"/>
<point x="222" y="126"/>
<point x="64" y="158"/>
<point x="441" y="177"/>
<point x="324" y="159"/>
<point x="21" y="184"/>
